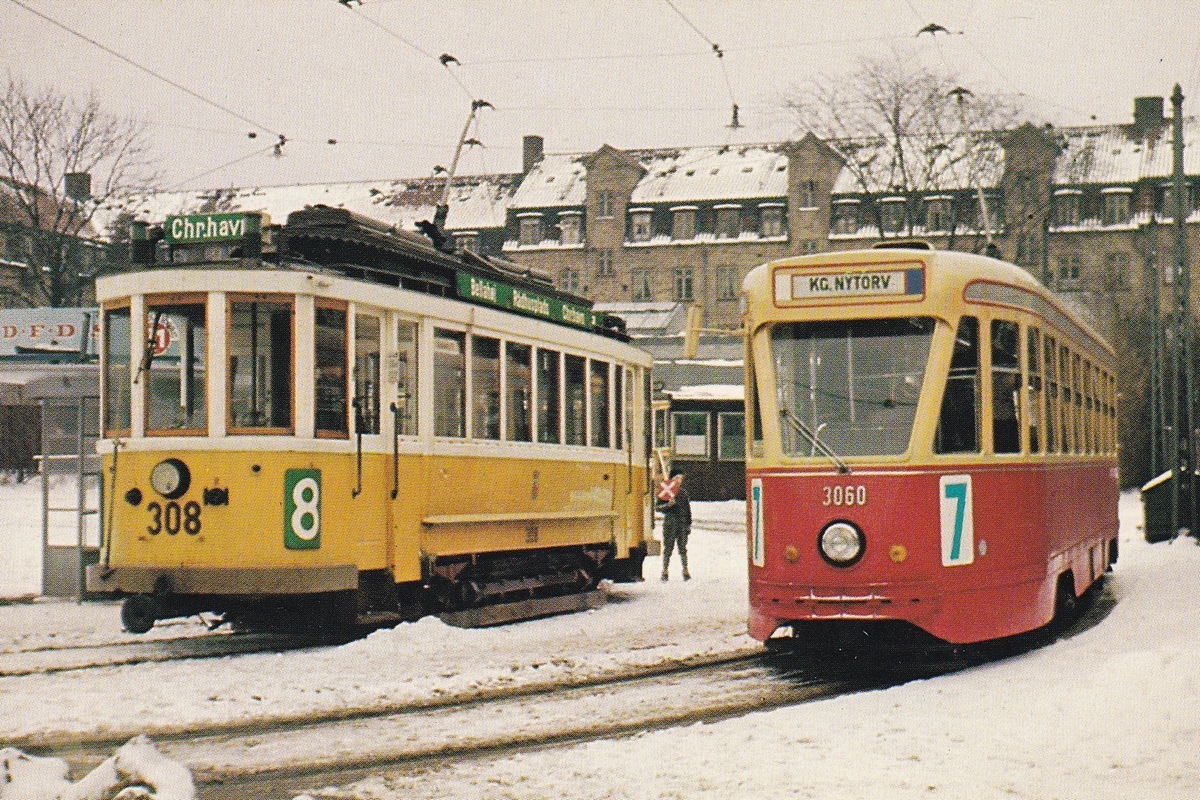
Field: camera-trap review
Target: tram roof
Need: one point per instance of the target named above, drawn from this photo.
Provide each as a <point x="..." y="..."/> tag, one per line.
<point x="951" y="270"/>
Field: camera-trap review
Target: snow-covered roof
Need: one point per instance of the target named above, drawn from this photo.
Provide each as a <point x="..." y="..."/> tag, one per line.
<point x="713" y="173"/>
<point x="712" y="391"/>
<point x="476" y="202"/>
<point x="1114" y="154"/>
<point x="647" y="319"/>
<point x="935" y="167"/>
<point x="557" y="180"/>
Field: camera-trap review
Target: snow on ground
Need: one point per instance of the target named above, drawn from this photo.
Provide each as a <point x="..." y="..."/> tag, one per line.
<point x="1112" y="712"/>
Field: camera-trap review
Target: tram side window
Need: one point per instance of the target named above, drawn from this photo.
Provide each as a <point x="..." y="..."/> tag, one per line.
<point x="598" y="391"/>
<point x="548" y="382"/>
<point x="1006" y="386"/>
<point x="116" y="370"/>
<point x="175" y="357"/>
<point x="366" y="373"/>
<point x="1077" y="382"/>
<point x="485" y="387"/>
<point x="958" y="423"/>
<point x="1052" y="429"/>
<point x="1089" y="405"/>
<point x="1066" y="405"/>
<point x="1033" y="385"/>
<point x="406" y="378"/>
<point x="332" y="408"/>
<point x="519" y="386"/>
<point x="576" y="400"/>
<point x="731" y="436"/>
<point x="689" y="434"/>
<point x="260" y="365"/>
<point x="449" y="383"/>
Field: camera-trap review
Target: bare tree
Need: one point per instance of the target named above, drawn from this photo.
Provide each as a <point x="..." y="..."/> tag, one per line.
<point x="903" y="129"/>
<point x="47" y="142"/>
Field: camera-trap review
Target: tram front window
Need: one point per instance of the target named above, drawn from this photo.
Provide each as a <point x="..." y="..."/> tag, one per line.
<point x="854" y="385"/>
<point x="173" y="361"/>
<point x="260" y="365"/>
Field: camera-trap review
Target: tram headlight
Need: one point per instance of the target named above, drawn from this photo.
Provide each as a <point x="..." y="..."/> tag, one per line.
<point x="841" y="544"/>
<point x="170" y="478"/>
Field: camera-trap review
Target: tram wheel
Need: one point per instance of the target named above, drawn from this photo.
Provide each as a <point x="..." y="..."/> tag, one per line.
<point x="138" y="613"/>
<point x="1066" y="604"/>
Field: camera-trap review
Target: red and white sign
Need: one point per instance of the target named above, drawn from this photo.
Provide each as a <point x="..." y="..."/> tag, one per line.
<point x="668" y="489"/>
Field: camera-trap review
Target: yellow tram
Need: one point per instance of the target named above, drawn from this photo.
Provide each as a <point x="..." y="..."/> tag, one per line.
<point x="331" y="421"/>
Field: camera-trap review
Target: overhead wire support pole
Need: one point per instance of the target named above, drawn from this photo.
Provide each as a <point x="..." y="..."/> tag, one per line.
<point x="1186" y="419"/>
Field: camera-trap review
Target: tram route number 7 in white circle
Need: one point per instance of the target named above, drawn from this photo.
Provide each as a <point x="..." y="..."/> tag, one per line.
<point x="958" y="520"/>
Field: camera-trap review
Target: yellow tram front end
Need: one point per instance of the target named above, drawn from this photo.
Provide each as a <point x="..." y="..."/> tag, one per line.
<point x="286" y="447"/>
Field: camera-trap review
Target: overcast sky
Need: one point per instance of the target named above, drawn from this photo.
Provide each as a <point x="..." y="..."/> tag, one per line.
<point x="580" y="73"/>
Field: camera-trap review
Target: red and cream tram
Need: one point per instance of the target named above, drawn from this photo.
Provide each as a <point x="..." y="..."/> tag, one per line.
<point x="932" y="445"/>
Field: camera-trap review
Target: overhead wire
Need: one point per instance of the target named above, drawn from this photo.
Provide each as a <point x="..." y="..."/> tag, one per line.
<point x="735" y="123"/>
<point x="154" y="74"/>
<point x="226" y="165"/>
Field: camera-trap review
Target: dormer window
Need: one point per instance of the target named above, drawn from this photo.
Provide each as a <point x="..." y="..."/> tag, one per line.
<point x="1116" y="205"/>
<point x="808" y="194"/>
<point x="728" y="221"/>
<point x="530" y="229"/>
<point x="892" y="211"/>
<point x="770" y="220"/>
<point x="570" y="228"/>
<point x="683" y="223"/>
<point x="466" y="240"/>
<point x="1066" y="206"/>
<point x="640" y="227"/>
<point x="937" y="213"/>
<point x="604" y="204"/>
<point x="845" y="216"/>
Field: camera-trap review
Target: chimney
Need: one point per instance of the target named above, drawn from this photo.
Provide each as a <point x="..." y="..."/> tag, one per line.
<point x="1147" y="114"/>
<point x="532" y="152"/>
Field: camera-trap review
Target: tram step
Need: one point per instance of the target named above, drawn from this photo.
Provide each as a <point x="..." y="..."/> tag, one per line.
<point x="379" y="618"/>
<point x="523" y="609"/>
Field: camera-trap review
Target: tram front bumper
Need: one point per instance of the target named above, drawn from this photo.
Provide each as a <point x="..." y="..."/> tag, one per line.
<point x="241" y="581"/>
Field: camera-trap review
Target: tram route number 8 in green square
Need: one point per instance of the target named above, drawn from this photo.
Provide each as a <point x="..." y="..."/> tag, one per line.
<point x="302" y="509"/>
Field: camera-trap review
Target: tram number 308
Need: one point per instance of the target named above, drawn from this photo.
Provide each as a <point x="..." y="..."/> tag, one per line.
<point x="173" y="518"/>
<point x="844" y="496"/>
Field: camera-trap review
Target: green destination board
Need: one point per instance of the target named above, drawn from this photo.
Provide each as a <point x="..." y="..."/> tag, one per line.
<point x="504" y="295"/>
<point x="203" y="228"/>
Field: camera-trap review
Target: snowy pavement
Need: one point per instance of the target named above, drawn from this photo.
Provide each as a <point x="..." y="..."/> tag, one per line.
<point x="1112" y="712"/>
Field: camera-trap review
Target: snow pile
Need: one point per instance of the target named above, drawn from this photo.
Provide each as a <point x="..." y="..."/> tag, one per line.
<point x="137" y="771"/>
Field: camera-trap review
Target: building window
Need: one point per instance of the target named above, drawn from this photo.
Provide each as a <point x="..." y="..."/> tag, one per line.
<point x="569" y="229"/>
<point x="937" y="214"/>
<point x="531" y="229"/>
<point x="728" y="222"/>
<point x="770" y="223"/>
<point x="604" y="206"/>
<point x="683" y="284"/>
<point x="811" y="246"/>
<point x="1116" y="271"/>
<point x="727" y="283"/>
<point x="568" y="280"/>
<point x="892" y="214"/>
<point x="683" y="223"/>
<point x="808" y="194"/>
<point x="1066" y="208"/>
<point x="467" y="241"/>
<point x="1116" y="207"/>
<point x="604" y="264"/>
<point x="689" y="433"/>
<point x="845" y="216"/>
<point x="639" y="280"/>
<point x="640" y="229"/>
<point x="1068" y="269"/>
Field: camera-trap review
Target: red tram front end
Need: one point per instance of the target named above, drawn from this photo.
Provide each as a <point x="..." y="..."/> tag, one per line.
<point x="933" y="449"/>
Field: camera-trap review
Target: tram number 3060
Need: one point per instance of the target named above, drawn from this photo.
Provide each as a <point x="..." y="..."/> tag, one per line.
<point x="844" y="496"/>
<point x="173" y="518"/>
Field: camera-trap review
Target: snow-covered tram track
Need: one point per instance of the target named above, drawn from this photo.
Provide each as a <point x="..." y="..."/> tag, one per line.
<point x="65" y="658"/>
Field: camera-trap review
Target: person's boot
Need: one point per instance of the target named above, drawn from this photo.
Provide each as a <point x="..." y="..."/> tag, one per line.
<point x="664" y="576"/>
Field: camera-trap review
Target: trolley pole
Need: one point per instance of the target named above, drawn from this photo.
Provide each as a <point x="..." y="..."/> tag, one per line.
<point x="1186" y="431"/>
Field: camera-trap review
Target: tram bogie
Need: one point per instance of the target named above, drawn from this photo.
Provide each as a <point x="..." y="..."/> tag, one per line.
<point x="934" y="449"/>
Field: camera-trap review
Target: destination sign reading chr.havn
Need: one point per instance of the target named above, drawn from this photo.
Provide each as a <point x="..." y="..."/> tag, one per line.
<point x="203" y="228"/>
